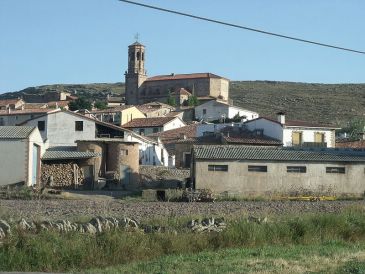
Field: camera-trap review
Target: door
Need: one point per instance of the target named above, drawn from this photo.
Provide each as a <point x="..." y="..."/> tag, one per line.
<point x="35" y="168"/>
<point x="187" y="159"/>
<point x="88" y="176"/>
<point x="124" y="172"/>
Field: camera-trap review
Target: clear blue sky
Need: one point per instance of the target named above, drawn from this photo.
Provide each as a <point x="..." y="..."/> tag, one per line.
<point x="85" y="41"/>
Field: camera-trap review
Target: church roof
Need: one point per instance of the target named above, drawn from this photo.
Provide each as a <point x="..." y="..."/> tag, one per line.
<point x="136" y="44"/>
<point x="183" y="76"/>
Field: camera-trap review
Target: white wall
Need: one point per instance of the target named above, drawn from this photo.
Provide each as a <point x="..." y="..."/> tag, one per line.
<point x="271" y="129"/>
<point x="175" y="123"/>
<point x="150" y="153"/>
<point x="232" y="112"/>
<point x="60" y="129"/>
<point x="308" y="135"/>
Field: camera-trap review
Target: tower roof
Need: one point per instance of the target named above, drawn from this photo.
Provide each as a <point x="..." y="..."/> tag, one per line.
<point x="136" y="44"/>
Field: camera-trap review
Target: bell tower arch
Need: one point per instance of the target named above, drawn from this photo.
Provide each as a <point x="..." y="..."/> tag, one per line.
<point x="136" y="73"/>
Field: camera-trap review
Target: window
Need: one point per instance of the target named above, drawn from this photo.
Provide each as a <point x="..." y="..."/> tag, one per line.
<point x="1" y="121"/>
<point x="204" y="111"/>
<point x="318" y="137"/>
<point x="79" y="125"/>
<point x="124" y="152"/>
<point x="41" y="125"/>
<point x="257" y="168"/>
<point x="335" y="169"/>
<point x="296" y="169"/>
<point x="155" y="129"/>
<point x="217" y="167"/>
<point x="141" y="131"/>
<point x="296" y="138"/>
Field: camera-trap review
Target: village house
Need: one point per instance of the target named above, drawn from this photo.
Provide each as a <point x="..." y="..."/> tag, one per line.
<point x="140" y="89"/>
<point x="216" y="110"/>
<point x="116" y="115"/>
<point x="293" y="132"/>
<point x="278" y="172"/>
<point x="21" y="149"/>
<point x="11" y="104"/>
<point x="146" y="126"/>
<point x="155" y="109"/>
<point x="115" y="101"/>
<point x="15" y="117"/>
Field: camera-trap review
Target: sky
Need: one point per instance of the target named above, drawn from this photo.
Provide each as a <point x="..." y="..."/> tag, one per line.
<point x="86" y="41"/>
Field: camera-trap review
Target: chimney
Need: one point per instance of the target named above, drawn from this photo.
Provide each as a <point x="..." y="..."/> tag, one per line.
<point x="281" y="117"/>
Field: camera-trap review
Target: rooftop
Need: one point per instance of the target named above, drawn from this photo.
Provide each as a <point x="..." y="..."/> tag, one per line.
<point x="25" y="111"/>
<point x="234" y="152"/>
<point x="15" y="132"/>
<point x="148" y="122"/>
<point x="296" y="123"/>
<point x="175" y="134"/>
<point x="183" y="76"/>
<point x="67" y="155"/>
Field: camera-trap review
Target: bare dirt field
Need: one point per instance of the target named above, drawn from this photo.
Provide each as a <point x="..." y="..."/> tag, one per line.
<point x="84" y="208"/>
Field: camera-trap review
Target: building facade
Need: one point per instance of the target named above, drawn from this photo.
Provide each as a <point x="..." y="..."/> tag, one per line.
<point x="140" y="89"/>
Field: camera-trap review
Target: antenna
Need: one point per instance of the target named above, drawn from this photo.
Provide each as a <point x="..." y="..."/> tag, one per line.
<point x="136" y="36"/>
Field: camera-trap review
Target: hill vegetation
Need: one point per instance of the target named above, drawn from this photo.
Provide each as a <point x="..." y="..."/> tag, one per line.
<point x="323" y="103"/>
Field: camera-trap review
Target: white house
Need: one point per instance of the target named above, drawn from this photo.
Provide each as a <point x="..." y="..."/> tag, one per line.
<point x="10" y="117"/>
<point x="21" y="149"/>
<point x="63" y="128"/>
<point x="146" y="126"/>
<point x="221" y="110"/>
<point x="293" y="132"/>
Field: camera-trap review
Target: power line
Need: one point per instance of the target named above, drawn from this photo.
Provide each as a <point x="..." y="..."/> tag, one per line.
<point x="241" y="27"/>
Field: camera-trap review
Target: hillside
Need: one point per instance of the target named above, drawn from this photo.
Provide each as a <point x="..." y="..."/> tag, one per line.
<point x="324" y="103"/>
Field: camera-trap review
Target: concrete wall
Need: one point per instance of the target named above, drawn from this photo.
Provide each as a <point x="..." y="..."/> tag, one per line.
<point x="175" y="123"/>
<point x="13" y="120"/>
<point x="129" y="114"/>
<point x="270" y="128"/>
<point x="308" y="135"/>
<point x="278" y="182"/>
<point x="60" y="129"/>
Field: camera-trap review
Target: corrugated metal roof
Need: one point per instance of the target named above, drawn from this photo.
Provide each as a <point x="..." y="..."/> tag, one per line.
<point x="232" y="152"/>
<point x="68" y="155"/>
<point x="15" y="132"/>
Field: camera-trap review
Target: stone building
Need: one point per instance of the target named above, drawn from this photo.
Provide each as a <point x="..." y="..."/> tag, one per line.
<point x="140" y="89"/>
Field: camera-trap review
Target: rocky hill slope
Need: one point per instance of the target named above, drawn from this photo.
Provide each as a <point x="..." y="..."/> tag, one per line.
<point x="323" y="103"/>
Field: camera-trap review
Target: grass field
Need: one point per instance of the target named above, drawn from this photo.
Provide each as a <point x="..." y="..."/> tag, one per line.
<point x="286" y="244"/>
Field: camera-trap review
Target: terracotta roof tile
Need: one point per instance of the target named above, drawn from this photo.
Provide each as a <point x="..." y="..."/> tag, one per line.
<point x="183" y="76"/>
<point x="351" y="144"/>
<point x="175" y="134"/>
<point x="25" y="111"/>
<point x="6" y="102"/>
<point x="148" y="122"/>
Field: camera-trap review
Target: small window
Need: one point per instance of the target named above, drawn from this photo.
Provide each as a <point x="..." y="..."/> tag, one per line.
<point x="257" y="168"/>
<point x="335" y="169"/>
<point x="141" y="131"/>
<point x="155" y="129"/>
<point x="217" y="167"/>
<point x="79" y="125"/>
<point x="204" y="111"/>
<point x="41" y="125"/>
<point x="124" y="152"/>
<point x="296" y="169"/>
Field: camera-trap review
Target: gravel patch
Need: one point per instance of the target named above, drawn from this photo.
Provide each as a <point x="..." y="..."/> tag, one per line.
<point x="73" y="209"/>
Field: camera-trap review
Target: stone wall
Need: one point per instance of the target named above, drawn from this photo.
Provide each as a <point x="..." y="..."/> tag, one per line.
<point x="162" y="177"/>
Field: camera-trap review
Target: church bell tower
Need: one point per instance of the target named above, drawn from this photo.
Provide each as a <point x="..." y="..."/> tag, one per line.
<point x="136" y="74"/>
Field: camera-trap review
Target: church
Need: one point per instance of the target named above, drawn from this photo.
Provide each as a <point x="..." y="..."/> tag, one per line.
<point x="140" y="89"/>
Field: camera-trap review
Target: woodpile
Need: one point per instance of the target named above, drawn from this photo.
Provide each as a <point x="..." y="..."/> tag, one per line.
<point x="62" y="175"/>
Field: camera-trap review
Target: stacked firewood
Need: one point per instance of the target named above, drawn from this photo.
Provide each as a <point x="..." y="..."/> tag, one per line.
<point x="62" y="175"/>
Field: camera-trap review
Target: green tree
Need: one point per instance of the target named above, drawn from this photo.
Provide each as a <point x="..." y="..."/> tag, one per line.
<point x="171" y="101"/>
<point x="193" y="101"/>
<point x="80" y="103"/>
<point x="354" y="127"/>
<point x="100" y="105"/>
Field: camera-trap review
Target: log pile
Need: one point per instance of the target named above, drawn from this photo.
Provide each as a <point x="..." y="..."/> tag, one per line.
<point x="62" y="175"/>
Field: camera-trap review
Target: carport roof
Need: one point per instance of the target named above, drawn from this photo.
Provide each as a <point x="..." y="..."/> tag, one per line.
<point x="232" y="152"/>
<point x="68" y="155"/>
<point x="15" y="132"/>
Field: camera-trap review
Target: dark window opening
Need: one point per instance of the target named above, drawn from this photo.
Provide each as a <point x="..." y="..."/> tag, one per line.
<point x="334" y="169"/>
<point x="204" y="111"/>
<point x="155" y="129"/>
<point x="161" y="195"/>
<point x="79" y="125"/>
<point x="296" y="169"/>
<point x="217" y="167"/>
<point x="257" y="168"/>
<point x="138" y="56"/>
<point x="41" y="125"/>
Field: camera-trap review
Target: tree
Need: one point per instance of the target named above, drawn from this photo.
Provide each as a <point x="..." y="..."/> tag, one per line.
<point x="193" y="101"/>
<point x="100" y="105"/>
<point x="171" y="101"/>
<point x="354" y="127"/>
<point x="80" y="103"/>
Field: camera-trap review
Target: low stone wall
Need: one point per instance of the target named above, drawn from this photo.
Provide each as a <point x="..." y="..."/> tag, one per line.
<point x="162" y="177"/>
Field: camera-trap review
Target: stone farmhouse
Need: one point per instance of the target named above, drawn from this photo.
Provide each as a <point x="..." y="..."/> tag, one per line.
<point x="141" y="89"/>
<point x="278" y="172"/>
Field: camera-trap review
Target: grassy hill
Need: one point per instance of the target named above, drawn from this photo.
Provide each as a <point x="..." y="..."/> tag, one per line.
<point x="323" y="103"/>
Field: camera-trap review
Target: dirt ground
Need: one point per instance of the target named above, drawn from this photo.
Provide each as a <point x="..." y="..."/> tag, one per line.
<point x="102" y="206"/>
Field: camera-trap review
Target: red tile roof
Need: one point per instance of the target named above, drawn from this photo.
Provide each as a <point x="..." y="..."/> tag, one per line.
<point x="25" y="111"/>
<point x="6" y="102"/>
<point x="111" y="110"/>
<point x="175" y="134"/>
<point x="351" y="144"/>
<point x="183" y="76"/>
<point x="148" y="122"/>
